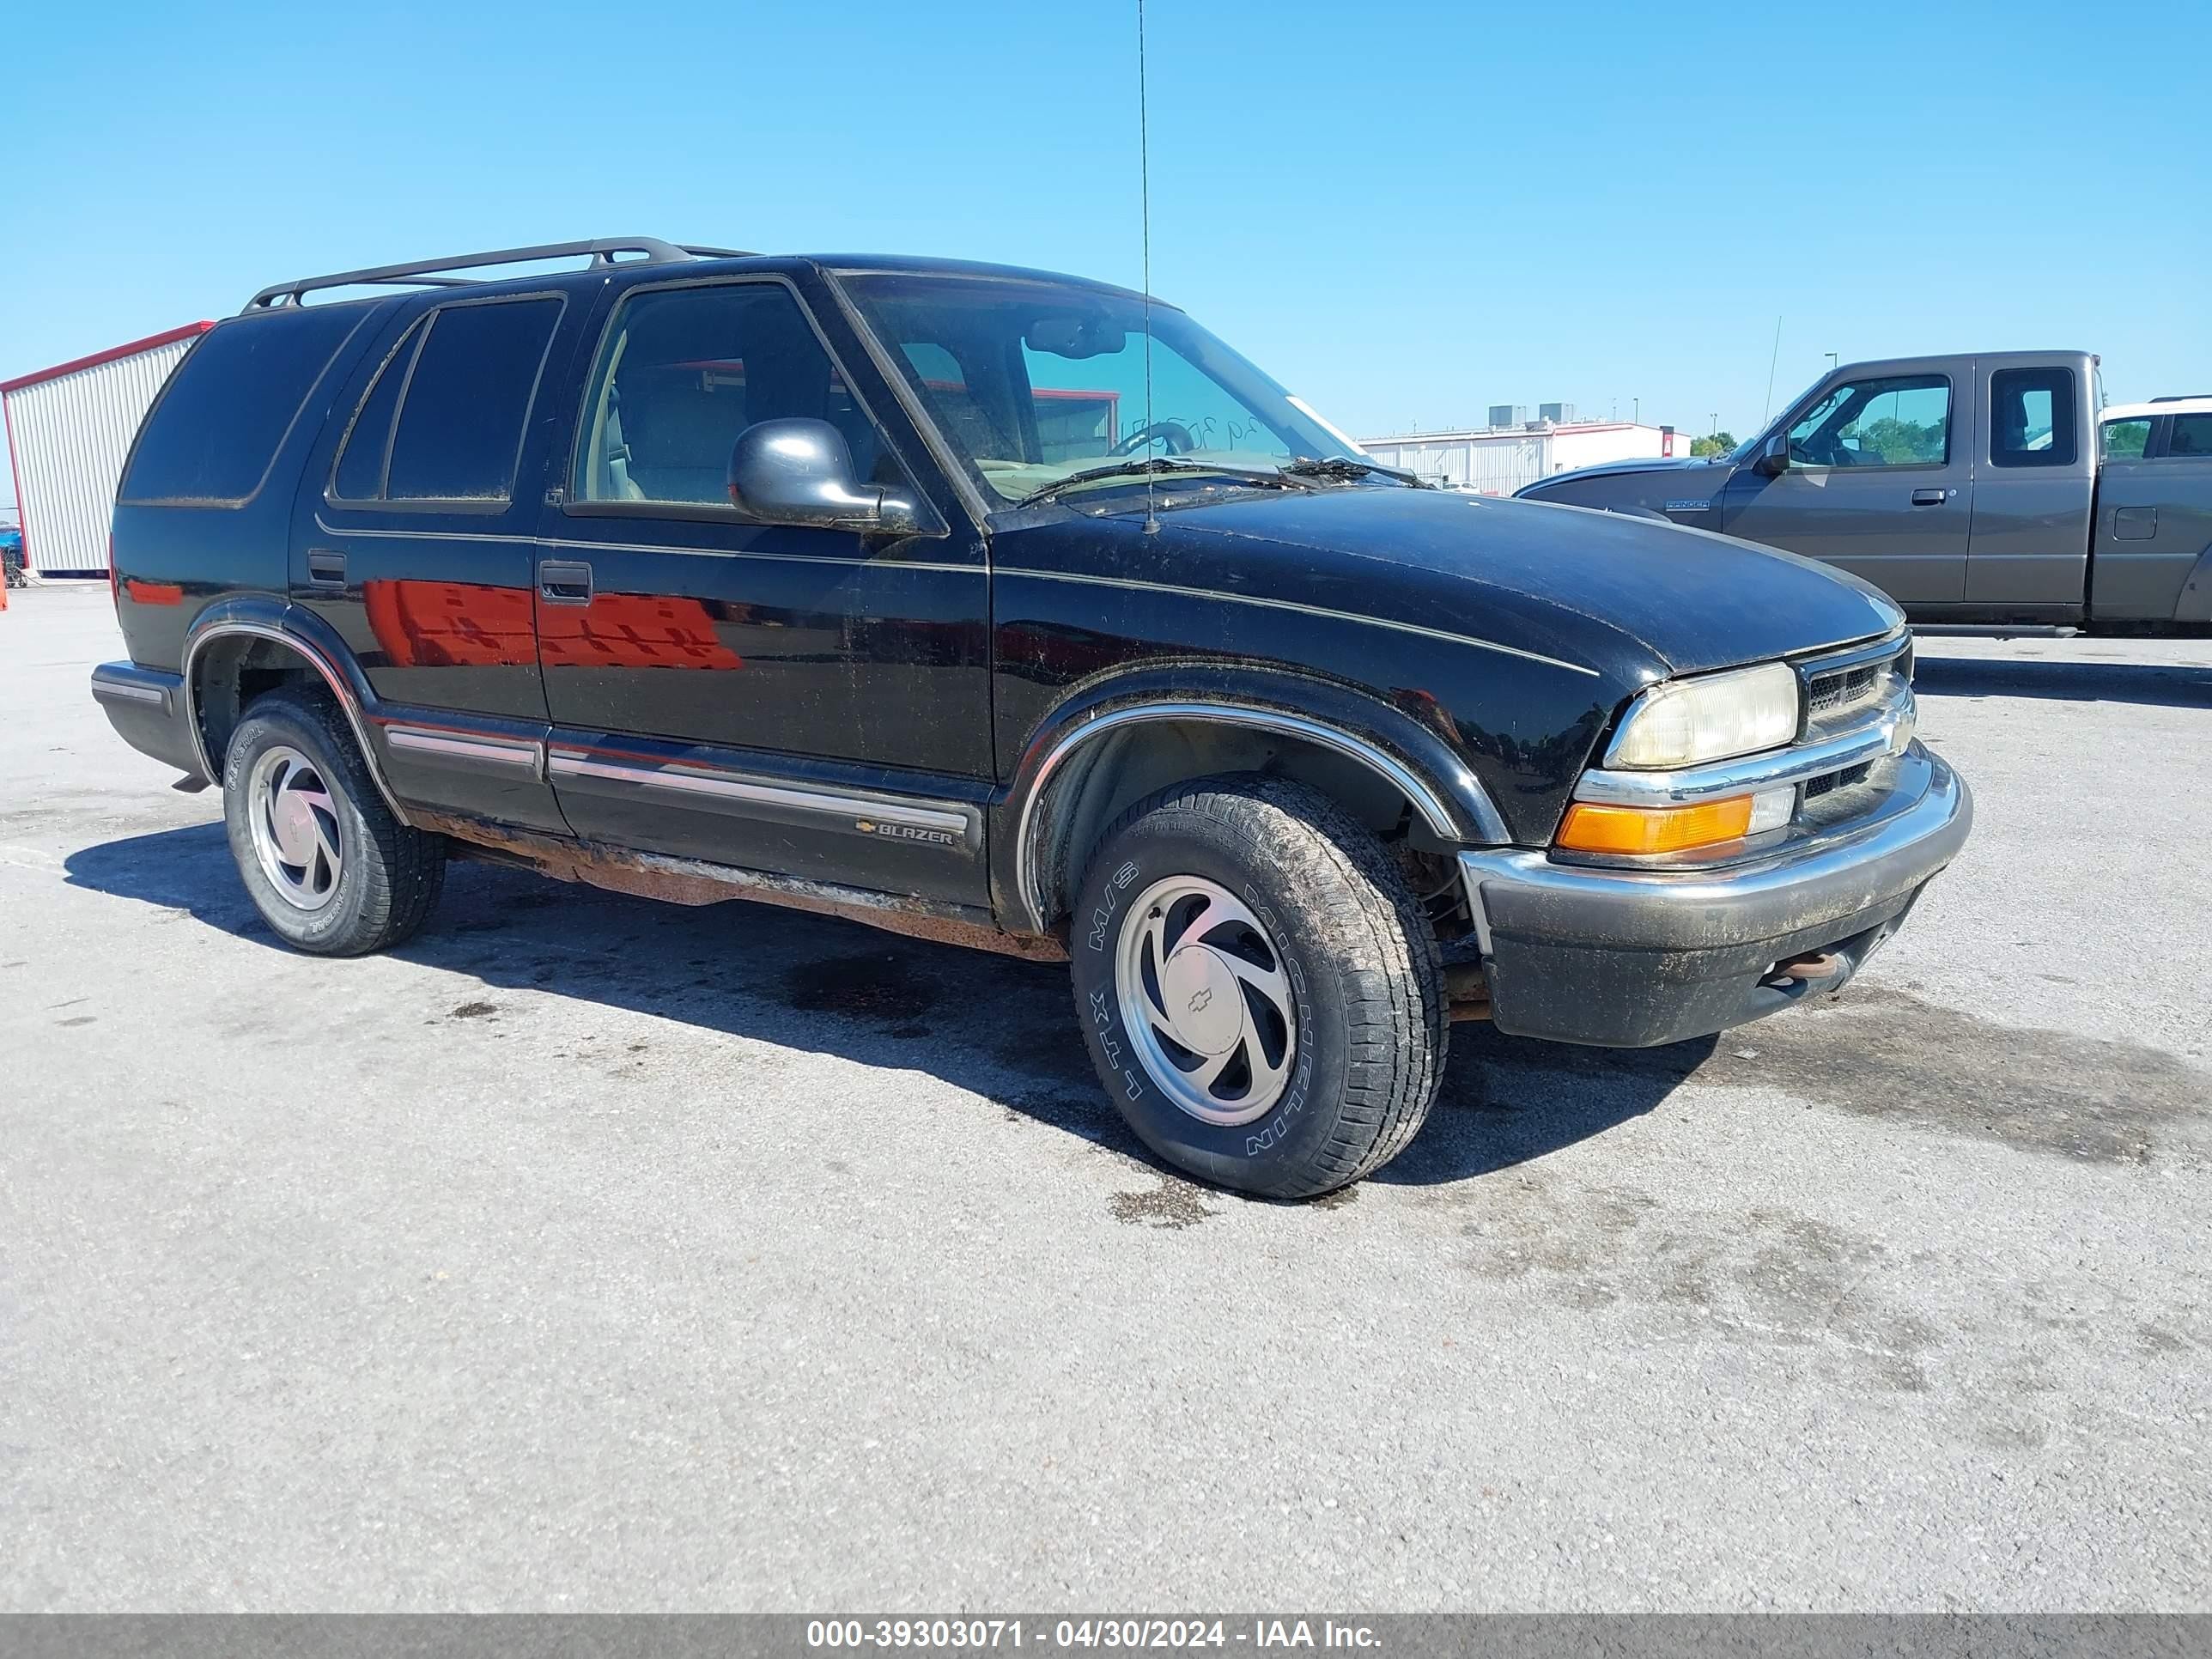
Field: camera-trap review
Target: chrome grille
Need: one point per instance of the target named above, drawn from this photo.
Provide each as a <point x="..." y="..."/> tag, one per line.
<point x="1826" y="693"/>
<point x="1815" y="787"/>
<point x="1841" y="690"/>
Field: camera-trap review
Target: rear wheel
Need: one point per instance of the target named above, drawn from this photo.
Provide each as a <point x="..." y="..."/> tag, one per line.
<point x="329" y="866"/>
<point x="1258" y="986"/>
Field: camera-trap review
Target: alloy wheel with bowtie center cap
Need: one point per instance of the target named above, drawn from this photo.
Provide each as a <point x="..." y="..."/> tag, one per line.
<point x="328" y="863"/>
<point x="296" y="827"/>
<point x="1205" y="1000"/>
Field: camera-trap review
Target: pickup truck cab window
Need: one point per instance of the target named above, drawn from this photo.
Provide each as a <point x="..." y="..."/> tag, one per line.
<point x="2032" y="417"/>
<point x="682" y="371"/>
<point x="1896" y="421"/>
<point x="1032" y="383"/>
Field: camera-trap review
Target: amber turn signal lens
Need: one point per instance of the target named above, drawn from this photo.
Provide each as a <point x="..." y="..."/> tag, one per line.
<point x="1593" y="828"/>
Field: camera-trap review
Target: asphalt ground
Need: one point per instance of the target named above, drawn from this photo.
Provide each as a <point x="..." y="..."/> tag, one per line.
<point x="586" y="1253"/>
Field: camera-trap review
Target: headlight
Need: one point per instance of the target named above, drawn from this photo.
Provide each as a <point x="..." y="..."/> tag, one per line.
<point x="1686" y="723"/>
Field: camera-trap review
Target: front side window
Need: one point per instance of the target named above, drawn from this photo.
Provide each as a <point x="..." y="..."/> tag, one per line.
<point x="1896" y="421"/>
<point x="2126" y="440"/>
<point x="2190" y="435"/>
<point x="682" y="371"/>
<point x="2032" y="417"/>
<point x="1033" y="381"/>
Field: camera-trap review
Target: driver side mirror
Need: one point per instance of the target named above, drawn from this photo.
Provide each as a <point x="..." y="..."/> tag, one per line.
<point x="799" y="472"/>
<point x="1773" y="457"/>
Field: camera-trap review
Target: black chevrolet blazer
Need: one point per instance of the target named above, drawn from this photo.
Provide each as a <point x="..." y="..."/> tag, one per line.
<point x="1002" y="608"/>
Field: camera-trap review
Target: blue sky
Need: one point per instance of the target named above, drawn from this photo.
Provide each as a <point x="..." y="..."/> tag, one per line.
<point x="1405" y="213"/>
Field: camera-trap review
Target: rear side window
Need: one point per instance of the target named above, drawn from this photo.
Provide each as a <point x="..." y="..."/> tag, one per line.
<point x="444" y="420"/>
<point x="2032" y="417"/>
<point x="2190" y="435"/>
<point x="219" y="423"/>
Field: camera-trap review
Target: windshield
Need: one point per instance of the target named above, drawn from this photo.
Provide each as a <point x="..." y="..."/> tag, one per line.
<point x="1033" y="382"/>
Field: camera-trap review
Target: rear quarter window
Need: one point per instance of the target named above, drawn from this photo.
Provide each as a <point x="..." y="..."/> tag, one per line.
<point x="216" y="428"/>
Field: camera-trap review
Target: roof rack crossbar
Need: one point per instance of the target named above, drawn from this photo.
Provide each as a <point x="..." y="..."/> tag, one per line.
<point x="435" y="273"/>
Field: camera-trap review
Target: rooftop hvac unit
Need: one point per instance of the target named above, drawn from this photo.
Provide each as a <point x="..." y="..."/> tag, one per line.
<point x="1557" y="414"/>
<point x="1504" y="414"/>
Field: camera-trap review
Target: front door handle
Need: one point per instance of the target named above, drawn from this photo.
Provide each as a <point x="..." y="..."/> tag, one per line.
<point x="326" y="567"/>
<point x="1931" y="497"/>
<point x="564" y="582"/>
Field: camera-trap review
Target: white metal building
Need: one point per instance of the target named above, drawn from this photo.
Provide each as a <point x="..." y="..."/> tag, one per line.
<point x="1496" y="460"/>
<point x="68" y="429"/>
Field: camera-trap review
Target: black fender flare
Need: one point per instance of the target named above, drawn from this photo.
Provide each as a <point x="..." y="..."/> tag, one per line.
<point x="1391" y="742"/>
<point x="270" y="616"/>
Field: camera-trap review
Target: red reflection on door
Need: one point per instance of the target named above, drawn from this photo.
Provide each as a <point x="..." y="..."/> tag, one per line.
<point x="632" y="631"/>
<point x="451" y="624"/>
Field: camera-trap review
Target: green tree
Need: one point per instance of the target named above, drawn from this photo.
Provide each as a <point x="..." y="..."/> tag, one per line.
<point x="1719" y="444"/>
<point x="1901" y="443"/>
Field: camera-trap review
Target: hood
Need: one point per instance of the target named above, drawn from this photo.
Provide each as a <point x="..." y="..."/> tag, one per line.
<point x="1606" y="469"/>
<point x="1633" y="599"/>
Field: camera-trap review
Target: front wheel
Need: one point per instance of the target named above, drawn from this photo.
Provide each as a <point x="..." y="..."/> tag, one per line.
<point x="329" y="866"/>
<point x="1258" y="986"/>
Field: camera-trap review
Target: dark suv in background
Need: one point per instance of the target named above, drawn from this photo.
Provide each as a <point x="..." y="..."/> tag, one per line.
<point x="1012" y="610"/>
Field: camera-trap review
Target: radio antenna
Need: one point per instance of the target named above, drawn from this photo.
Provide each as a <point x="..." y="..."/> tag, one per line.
<point x="1145" y="214"/>
<point x="1770" y="362"/>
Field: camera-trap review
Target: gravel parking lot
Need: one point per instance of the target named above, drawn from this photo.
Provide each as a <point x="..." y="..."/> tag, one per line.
<point x="589" y="1253"/>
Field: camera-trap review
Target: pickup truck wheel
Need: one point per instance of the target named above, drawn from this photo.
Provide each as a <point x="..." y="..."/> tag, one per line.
<point x="330" y="868"/>
<point x="1258" y="986"/>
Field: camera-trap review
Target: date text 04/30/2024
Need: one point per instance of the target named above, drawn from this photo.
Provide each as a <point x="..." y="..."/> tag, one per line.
<point x="1111" y="1633"/>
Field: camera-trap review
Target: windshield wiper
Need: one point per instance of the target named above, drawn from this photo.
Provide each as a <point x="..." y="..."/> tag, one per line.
<point x="1134" y="468"/>
<point x="1344" y="469"/>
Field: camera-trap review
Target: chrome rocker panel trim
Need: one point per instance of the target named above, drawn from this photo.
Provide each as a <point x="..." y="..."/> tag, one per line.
<point x="452" y="745"/>
<point x="570" y="762"/>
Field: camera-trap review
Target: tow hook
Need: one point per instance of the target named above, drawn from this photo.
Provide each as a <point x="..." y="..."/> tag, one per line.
<point x="1467" y="994"/>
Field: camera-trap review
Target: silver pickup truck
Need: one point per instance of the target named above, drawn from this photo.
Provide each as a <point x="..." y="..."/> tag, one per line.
<point x="1969" y="489"/>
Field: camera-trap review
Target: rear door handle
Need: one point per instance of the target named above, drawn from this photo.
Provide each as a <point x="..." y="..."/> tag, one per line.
<point x="563" y="582"/>
<point x="1931" y="497"/>
<point x="326" y="567"/>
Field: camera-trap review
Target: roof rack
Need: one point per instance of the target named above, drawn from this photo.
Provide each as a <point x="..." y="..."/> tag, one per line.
<point x="436" y="273"/>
